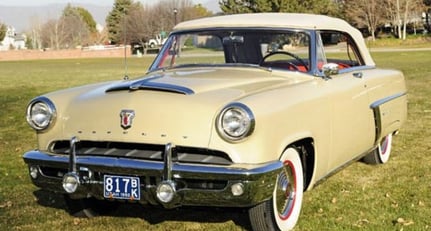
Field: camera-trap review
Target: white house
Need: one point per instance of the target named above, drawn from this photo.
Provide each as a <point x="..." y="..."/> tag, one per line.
<point x="12" y="40"/>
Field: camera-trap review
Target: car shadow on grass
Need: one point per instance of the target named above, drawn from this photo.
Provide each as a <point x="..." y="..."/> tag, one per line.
<point x="49" y="199"/>
<point x="155" y="215"/>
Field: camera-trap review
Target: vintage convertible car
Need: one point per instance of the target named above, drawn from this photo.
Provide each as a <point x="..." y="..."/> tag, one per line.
<point x="235" y="111"/>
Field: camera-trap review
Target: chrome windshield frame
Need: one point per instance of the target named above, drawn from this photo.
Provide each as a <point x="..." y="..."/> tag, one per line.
<point x="155" y="66"/>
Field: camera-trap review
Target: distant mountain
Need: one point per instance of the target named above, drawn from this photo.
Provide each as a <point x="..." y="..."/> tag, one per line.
<point x="23" y="17"/>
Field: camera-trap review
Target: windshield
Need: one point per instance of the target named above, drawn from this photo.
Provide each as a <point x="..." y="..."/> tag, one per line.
<point x="285" y="49"/>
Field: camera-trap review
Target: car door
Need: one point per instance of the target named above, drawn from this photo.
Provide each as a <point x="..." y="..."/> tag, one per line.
<point x="352" y="122"/>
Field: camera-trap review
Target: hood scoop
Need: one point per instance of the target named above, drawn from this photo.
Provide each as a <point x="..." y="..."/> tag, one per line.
<point x="152" y="85"/>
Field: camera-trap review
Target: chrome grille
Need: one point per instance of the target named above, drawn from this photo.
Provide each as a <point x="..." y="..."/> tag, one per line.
<point x="142" y="151"/>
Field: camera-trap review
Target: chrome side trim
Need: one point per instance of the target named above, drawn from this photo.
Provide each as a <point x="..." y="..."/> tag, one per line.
<point x="386" y="99"/>
<point x="377" y="115"/>
<point x="356" y="69"/>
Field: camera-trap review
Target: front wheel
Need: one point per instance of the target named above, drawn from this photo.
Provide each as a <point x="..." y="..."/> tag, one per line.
<point x="282" y="211"/>
<point x="381" y="154"/>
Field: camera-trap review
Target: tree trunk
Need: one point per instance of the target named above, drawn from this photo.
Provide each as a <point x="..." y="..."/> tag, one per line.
<point x="406" y="13"/>
<point x="398" y="20"/>
<point x="373" y="33"/>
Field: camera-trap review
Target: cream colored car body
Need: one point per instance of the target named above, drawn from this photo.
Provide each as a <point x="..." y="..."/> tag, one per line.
<point x="341" y="116"/>
<point x="334" y="113"/>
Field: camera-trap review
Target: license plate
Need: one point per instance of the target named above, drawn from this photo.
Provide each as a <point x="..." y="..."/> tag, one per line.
<point x="121" y="187"/>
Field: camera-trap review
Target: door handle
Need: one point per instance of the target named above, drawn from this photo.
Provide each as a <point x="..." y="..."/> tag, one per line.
<point x="357" y="75"/>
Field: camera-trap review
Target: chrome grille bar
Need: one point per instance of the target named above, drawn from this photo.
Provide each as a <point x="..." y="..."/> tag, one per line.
<point x="72" y="154"/>
<point x="167" y="159"/>
<point x="139" y="151"/>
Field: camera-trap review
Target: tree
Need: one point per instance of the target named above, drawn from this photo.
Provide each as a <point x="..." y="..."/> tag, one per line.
<point x="427" y="14"/>
<point x="187" y="10"/>
<point x="327" y="7"/>
<point x="139" y="27"/>
<point x="164" y="11"/>
<point x="145" y="22"/>
<point x="52" y="34"/>
<point x="83" y="14"/>
<point x="116" y="19"/>
<point x="78" y="31"/>
<point x="3" y="30"/>
<point x="87" y="18"/>
<point x="69" y="31"/>
<point x="365" y="14"/>
<point x="199" y="11"/>
<point x="402" y="12"/>
<point x="34" y="39"/>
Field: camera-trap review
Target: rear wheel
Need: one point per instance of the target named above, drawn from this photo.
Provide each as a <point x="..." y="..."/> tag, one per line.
<point x="381" y="154"/>
<point x="282" y="211"/>
<point x="88" y="207"/>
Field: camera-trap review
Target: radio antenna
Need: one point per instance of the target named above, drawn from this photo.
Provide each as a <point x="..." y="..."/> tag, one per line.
<point x="126" y="77"/>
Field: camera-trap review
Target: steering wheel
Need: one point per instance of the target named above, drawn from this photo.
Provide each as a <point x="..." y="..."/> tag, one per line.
<point x="285" y="53"/>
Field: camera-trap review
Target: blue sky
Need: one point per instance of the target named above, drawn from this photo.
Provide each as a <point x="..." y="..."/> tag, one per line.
<point x="95" y="2"/>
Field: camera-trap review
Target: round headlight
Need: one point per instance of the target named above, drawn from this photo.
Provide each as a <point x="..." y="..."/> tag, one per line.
<point x="235" y="122"/>
<point x="40" y="113"/>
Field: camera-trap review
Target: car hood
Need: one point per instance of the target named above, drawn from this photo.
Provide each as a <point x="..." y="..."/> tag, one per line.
<point x="173" y="106"/>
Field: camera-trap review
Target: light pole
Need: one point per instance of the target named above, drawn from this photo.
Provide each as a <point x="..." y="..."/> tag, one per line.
<point x="175" y="16"/>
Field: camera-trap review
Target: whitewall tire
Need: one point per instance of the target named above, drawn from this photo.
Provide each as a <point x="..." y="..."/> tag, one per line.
<point x="282" y="211"/>
<point x="381" y="154"/>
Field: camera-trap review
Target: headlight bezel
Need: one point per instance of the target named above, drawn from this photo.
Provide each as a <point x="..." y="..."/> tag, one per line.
<point x="45" y="105"/>
<point x="247" y="123"/>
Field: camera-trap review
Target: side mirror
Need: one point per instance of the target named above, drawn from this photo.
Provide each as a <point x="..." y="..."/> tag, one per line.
<point x="329" y="69"/>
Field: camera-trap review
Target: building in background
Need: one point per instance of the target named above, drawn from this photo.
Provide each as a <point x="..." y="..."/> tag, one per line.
<point x="12" y="40"/>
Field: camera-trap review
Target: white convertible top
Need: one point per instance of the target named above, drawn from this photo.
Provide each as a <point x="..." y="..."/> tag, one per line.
<point x="280" y="20"/>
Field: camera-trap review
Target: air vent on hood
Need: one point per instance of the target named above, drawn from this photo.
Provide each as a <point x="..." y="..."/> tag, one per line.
<point x="152" y="85"/>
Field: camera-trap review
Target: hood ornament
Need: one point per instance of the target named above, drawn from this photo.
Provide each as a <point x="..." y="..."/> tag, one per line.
<point x="127" y="118"/>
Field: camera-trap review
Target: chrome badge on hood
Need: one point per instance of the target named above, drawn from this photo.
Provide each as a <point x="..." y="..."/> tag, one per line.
<point x="127" y="118"/>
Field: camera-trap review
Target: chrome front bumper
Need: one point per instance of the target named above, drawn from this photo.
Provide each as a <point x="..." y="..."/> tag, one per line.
<point x="195" y="184"/>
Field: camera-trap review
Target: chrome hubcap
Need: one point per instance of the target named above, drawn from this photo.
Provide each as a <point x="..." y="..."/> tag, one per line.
<point x="285" y="192"/>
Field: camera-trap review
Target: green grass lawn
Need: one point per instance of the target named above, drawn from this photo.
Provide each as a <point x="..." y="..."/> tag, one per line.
<point x="412" y="41"/>
<point x="395" y="196"/>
